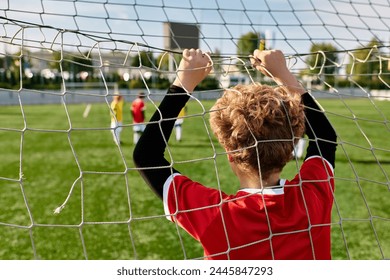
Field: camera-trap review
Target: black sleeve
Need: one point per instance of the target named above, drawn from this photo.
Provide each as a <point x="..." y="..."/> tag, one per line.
<point x="148" y="154"/>
<point x="322" y="136"/>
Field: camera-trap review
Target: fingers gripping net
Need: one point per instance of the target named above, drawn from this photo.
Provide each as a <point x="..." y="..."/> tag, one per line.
<point x="61" y="63"/>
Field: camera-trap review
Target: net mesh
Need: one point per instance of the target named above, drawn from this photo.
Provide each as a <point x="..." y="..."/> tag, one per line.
<point x="58" y="57"/>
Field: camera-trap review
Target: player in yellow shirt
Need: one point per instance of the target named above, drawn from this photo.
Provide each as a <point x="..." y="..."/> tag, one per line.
<point x="117" y="117"/>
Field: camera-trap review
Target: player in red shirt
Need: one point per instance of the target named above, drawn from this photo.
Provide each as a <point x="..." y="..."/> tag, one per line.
<point x="138" y="112"/>
<point x="268" y="217"/>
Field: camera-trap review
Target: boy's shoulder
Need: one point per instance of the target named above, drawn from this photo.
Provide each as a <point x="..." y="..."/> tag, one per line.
<point x="316" y="165"/>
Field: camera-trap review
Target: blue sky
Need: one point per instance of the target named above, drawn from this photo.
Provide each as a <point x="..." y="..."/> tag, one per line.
<point x="290" y="25"/>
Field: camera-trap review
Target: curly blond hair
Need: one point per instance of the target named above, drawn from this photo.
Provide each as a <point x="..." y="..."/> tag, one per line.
<point x="258" y="125"/>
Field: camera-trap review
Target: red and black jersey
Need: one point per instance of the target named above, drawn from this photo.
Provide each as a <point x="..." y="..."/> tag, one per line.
<point x="291" y="221"/>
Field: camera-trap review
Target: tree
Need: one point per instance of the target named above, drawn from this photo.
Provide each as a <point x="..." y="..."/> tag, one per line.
<point x="322" y="60"/>
<point x="163" y="61"/>
<point x="14" y="68"/>
<point x="83" y="64"/>
<point x="248" y="43"/>
<point x="72" y="63"/>
<point x="55" y="64"/>
<point x="365" y="66"/>
<point x="144" y="58"/>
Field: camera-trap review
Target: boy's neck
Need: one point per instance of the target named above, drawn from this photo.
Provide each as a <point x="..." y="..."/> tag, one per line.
<point x="254" y="182"/>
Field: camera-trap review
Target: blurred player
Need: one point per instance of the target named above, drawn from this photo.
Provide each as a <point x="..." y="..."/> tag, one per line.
<point x="179" y="124"/>
<point x="138" y="112"/>
<point x="117" y="117"/>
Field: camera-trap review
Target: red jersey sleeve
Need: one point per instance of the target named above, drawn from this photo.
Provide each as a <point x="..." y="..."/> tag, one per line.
<point x="318" y="189"/>
<point x="317" y="173"/>
<point x="190" y="204"/>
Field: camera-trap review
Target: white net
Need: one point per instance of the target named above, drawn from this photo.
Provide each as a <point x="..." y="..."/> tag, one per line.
<point x="58" y="57"/>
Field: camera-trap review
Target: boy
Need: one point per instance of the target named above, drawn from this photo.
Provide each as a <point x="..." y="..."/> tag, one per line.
<point x="268" y="217"/>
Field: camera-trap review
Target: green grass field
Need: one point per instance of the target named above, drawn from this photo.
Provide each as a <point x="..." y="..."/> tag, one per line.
<point x="112" y="214"/>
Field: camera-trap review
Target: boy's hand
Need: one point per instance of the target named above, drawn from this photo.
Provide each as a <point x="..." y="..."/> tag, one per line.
<point x="193" y="68"/>
<point x="270" y="62"/>
<point x="273" y="64"/>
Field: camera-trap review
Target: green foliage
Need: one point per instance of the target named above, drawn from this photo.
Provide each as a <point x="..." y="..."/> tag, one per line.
<point x="161" y="82"/>
<point x="322" y="60"/>
<point x="368" y="66"/>
<point x="137" y="83"/>
<point x="72" y="62"/>
<point x="144" y="59"/>
<point x="163" y="61"/>
<point x="208" y="83"/>
<point x="248" y="43"/>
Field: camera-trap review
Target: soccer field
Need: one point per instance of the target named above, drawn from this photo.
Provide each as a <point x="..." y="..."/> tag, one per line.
<point x="112" y="214"/>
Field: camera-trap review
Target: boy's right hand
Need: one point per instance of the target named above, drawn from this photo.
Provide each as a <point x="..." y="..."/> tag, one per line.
<point x="193" y="68"/>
